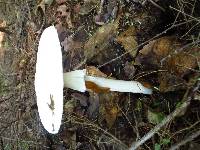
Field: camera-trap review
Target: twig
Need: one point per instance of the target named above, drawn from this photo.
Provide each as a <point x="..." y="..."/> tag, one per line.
<point x="156" y="5"/>
<point x="123" y="146"/>
<point x="89" y="124"/>
<point x="133" y="128"/>
<point x="80" y="64"/>
<point x="187" y="128"/>
<point x="136" y="126"/>
<point x="196" y="19"/>
<point x="186" y="101"/>
<point x="185" y="140"/>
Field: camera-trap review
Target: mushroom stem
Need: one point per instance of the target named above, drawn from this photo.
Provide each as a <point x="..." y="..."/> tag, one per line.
<point x="119" y="85"/>
<point x="76" y="80"/>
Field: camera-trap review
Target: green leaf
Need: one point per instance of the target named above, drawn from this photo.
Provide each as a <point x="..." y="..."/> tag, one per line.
<point x="155" y="117"/>
<point x="138" y="106"/>
<point x="165" y="141"/>
<point x="157" y="146"/>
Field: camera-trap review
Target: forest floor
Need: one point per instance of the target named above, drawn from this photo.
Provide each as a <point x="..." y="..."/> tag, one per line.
<point x="155" y="42"/>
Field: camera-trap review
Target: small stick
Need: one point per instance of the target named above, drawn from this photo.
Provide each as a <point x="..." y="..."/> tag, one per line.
<point x="156" y="5"/>
<point x="185" y="140"/>
<point x="188" y="96"/>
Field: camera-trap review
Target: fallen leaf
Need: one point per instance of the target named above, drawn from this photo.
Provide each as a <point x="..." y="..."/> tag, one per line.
<point x="72" y="59"/>
<point x="100" y="40"/>
<point x="129" y="70"/>
<point x="169" y="82"/>
<point x="62" y="32"/>
<point x="128" y="40"/>
<point x="69" y="44"/>
<point x="156" y="50"/>
<point x="164" y="53"/>
<point x="109" y="107"/>
<point x="93" y="109"/>
<point x="182" y="63"/>
<point x="95" y="72"/>
<point x="73" y="53"/>
<point x="64" y="15"/>
<point x="112" y="9"/>
<point x="88" y="6"/>
<point x="81" y="98"/>
<point x="106" y="12"/>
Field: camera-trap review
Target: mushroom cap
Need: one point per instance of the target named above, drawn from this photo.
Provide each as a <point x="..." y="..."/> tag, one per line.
<point x="49" y="80"/>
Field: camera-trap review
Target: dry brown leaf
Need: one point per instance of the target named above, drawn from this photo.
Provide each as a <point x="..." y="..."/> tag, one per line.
<point x="165" y="54"/>
<point x="100" y="40"/>
<point x="181" y="63"/>
<point x="129" y="70"/>
<point x="109" y="108"/>
<point x="169" y="82"/>
<point x="156" y="50"/>
<point x="95" y="72"/>
<point x="128" y="40"/>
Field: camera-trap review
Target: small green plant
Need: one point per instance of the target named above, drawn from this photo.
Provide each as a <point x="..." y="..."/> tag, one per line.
<point x="162" y="142"/>
<point x="8" y="147"/>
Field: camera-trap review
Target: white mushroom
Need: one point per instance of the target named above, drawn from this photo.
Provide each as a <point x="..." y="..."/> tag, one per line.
<point x="49" y="79"/>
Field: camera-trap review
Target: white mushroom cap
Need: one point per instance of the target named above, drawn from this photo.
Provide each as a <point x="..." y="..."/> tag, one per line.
<point x="49" y="80"/>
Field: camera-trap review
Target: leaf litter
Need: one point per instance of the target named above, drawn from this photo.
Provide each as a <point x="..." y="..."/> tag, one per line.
<point x="165" y="63"/>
